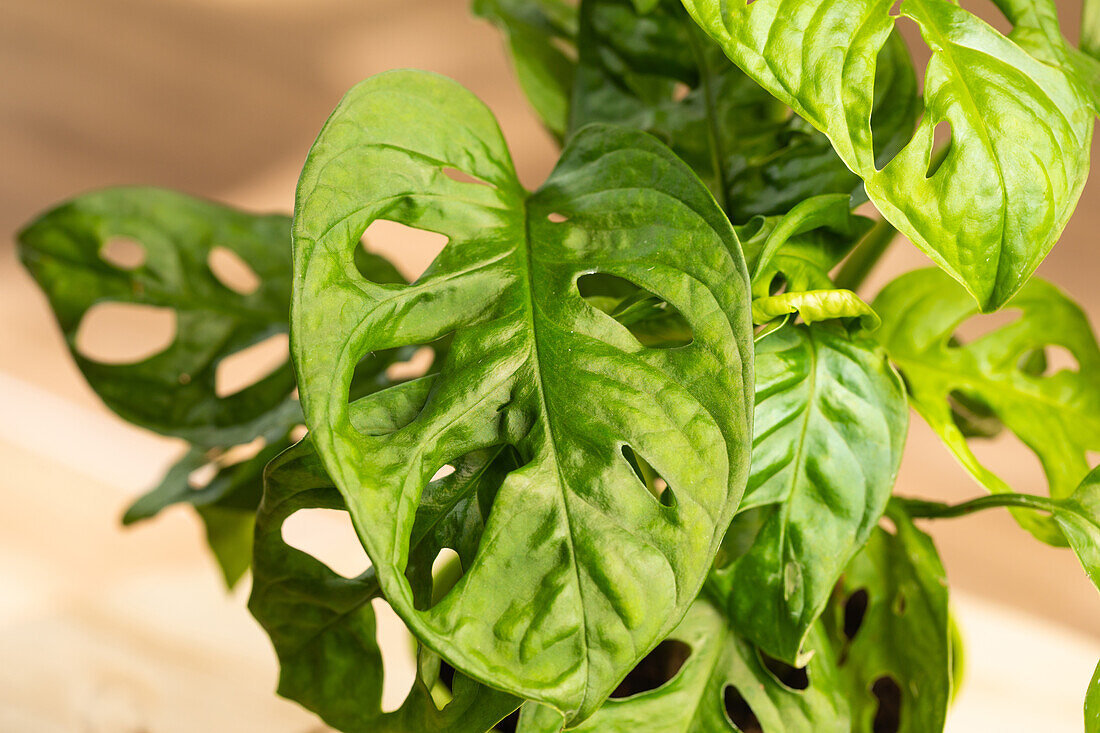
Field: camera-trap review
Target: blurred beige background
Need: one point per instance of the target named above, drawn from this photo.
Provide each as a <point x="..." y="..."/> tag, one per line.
<point x="109" y="630"/>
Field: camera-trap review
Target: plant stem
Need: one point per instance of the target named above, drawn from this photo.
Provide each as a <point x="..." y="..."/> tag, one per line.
<point x="866" y="255"/>
<point x="922" y="509"/>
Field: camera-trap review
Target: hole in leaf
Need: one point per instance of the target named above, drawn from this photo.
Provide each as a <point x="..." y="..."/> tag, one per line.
<point x="510" y="724"/>
<point x="888" y="715"/>
<point x="900" y="604"/>
<point x="556" y="218"/>
<point x="742" y="533"/>
<point x="976" y="327"/>
<point x="793" y="678"/>
<point x="739" y="712"/>
<point x="232" y="271"/>
<point x="201" y="477"/>
<point x="443" y="472"/>
<point x="680" y="91"/>
<point x="298" y="432"/>
<point x="655" y="670"/>
<point x="446" y="572"/>
<point x="250" y="365"/>
<point x="125" y="333"/>
<point x="855" y="608"/>
<point x="941" y="147"/>
<point x="123" y="252"/>
<point x="463" y="177"/>
<point x="1048" y="361"/>
<point x="652" y="320"/>
<point x="398" y="661"/>
<point x="651" y="480"/>
<point x="410" y="250"/>
<point x="887" y="525"/>
<point x="973" y="417"/>
<point x="417" y="365"/>
<point x="329" y="537"/>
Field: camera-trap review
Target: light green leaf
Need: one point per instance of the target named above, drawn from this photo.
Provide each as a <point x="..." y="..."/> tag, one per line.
<point x="892" y="633"/>
<point x="1092" y="703"/>
<point x="814" y="306"/>
<point x="538" y="31"/>
<point x="1079" y="517"/>
<point x="1000" y="199"/>
<point x="543" y="611"/>
<point x="659" y="73"/>
<point x="323" y="625"/>
<point x="1056" y="416"/>
<point x="830" y="424"/>
<point x="1090" y="28"/>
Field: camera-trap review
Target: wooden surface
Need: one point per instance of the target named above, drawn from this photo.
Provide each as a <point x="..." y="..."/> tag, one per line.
<point x="109" y="630"/>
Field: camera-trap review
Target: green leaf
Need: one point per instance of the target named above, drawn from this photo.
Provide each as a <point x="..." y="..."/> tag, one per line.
<point x="997" y="204"/>
<point x="896" y="590"/>
<point x="1092" y="703"/>
<point x="1090" y="28"/>
<point x="830" y="424"/>
<point x="543" y="610"/>
<point x="538" y="32"/>
<point x="323" y="625"/>
<point x="814" y="306"/>
<point x="658" y="73"/>
<point x="1056" y="416"/>
<point x="1079" y="517"/>
<point x="721" y="666"/>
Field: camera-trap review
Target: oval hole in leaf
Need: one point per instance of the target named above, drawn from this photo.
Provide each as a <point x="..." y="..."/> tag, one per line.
<point x="1048" y="361"/>
<point x="125" y="333"/>
<point x="793" y="678"/>
<point x="463" y="177"/>
<point x="555" y="218"/>
<point x="941" y="147"/>
<point x="855" y="608"/>
<point x="655" y="670"/>
<point x="410" y="250"/>
<point x="739" y="712"/>
<point x="652" y="320"/>
<point x="244" y="368"/>
<point x="651" y="481"/>
<point x="510" y="724"/>
<point x="298" y="432"/>
<point x="680" y="91"/>
<point x="443" y="472"/>
<point x="398" y="662"/>
<point x="888" y="715"/>
<point x="123" y="252"/>
<point x="416" y="366"/>
<point x="972" y="416"/>
<point x="329" y="537"/>
<point x="232" y="271"/>
<point x="446" y="572"/>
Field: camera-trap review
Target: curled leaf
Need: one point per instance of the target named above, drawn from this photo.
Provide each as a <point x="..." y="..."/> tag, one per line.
<point x="816" y="305"/>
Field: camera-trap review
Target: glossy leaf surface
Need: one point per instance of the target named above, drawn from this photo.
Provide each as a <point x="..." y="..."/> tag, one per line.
<point x="815" y="305"/>
<point x="1079" y="517"/>
<point x="830" y="424"/>
<point x="323" y="624"/>
<point x="543" y="610"/>
<point x="998" y="202"/>
<point x="1057" y="416"/>
<point x="657" y="72"/>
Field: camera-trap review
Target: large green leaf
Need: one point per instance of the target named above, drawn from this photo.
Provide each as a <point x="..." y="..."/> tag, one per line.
<point x="998" y="202"/>
<point x="659" y="73"/>
<point x="543" y="610"/>
<point x="540" y="37"/>
<point x="1056" y="416"/>
<point x="721" y="667"/>
<point x="830" y="425"/>
<point x="323" y="625"/>
<point x="892" y="633"/>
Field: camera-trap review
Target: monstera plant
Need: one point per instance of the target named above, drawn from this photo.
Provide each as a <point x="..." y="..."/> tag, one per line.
<point x="660" y="428"/>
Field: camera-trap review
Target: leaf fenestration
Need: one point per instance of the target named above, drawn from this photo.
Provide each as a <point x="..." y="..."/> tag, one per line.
<point x="542" y="611"/>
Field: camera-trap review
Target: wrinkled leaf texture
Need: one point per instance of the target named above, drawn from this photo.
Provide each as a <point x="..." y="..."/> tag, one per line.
<point x="543" y="610"/>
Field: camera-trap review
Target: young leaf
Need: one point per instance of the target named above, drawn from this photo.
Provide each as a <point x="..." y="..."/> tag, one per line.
<point x="323" y="625"/>
<point x="543" y="611"/>
<point x="830" y="424"/>
<point x="890" y="626"/>
<point x="537" y="32"/>
<point x="997" y="204"/>
<point x="1056" y="416"/>
<point x="814" y="306"/>
<point x="724" y="680"/>
<point x="659" y="73"/>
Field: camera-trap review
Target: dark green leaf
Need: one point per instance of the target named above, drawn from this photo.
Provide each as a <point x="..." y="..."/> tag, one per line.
<point x="543" y="610"/>
<point x="657" y="72"/>
<point x="830" y="424"/>
<point x="323" y="625"/>
<point x="997" y="204"/>
<point x="1056" y="416"/>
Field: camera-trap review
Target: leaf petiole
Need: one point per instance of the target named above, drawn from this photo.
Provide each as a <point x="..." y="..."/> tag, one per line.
<point x="923" y="509"/>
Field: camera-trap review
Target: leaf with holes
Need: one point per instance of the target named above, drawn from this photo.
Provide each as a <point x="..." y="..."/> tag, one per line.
<point x="542" y="611"/>
<point x="997" y="204"/>
<point x="830" y="424"/>
<point x="1079" y="517"/>
<point x="716" y="678"/>
<point x="892" y="634"/>
<point x="540" y="37"/>
<point x="659" y="73"/>
<point x="1057" y="416"/>
<point x="323" y="624"/>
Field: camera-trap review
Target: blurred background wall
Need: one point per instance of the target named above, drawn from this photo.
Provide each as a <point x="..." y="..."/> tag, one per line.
<point x="222" y="98"/>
